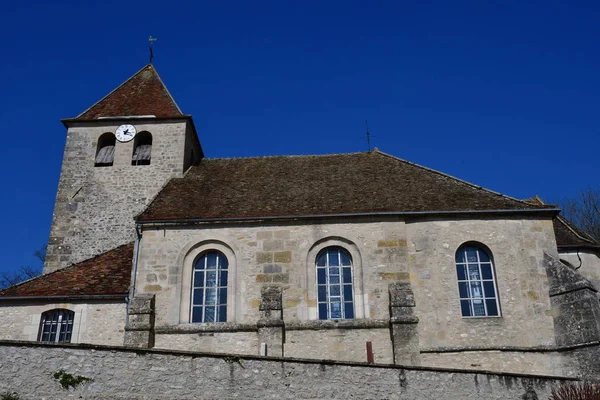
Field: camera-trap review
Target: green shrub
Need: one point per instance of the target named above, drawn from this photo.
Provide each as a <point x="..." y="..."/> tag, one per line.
<point x="67" y="380"/>
<point x="9" y="396"/>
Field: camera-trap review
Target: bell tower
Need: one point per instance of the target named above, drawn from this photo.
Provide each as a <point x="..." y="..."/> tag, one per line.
<point x="119" y="153"/>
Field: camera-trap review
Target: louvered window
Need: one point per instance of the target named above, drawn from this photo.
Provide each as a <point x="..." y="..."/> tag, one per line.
<point x="105" y="152"/>
<point x="142" y="149"/>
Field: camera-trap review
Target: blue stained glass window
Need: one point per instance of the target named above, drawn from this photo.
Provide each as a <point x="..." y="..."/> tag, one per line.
<point x="476" y="283"/>
<point x="486" y="271"/>
<point x="461" y="272"/>
<point x="348" y="310"/>
<point x="347" y="292"/>
<point x="323" y="311"/>
<point x="334" y="284"/>
<point x="347" y="275"/>
<point x="345" y="257"/>
<point x="334" y="259"/>
<point x="322" y="276"/>
<point x="334" y="290"/>
<point x="336" y="310"/>
<point x="223" y="279"/>
<point x="322" y="260"/>
<point x="209" y="292"/>
<point x="322" y="293"/>
<point x="198" y="297"/>
<point x="488" y="289"/>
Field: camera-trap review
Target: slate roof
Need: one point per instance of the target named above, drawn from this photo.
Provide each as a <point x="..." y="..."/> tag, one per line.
<point x="318" y="185"/>
<point x="568" y="235"/>
<point x="142" y="94"/>
<point x="106" y="274"/>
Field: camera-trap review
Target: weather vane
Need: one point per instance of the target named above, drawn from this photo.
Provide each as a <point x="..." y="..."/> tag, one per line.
<point x="151" y="40"/>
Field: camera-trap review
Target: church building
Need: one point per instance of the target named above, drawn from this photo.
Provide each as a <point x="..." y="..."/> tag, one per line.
<point x="361" y="257"/>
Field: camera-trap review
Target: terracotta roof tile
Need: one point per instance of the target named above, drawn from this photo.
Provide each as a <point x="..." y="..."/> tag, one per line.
<point x="142" y="94"/>
<point x="318" y="185"/>
<point x="107" y="273"/>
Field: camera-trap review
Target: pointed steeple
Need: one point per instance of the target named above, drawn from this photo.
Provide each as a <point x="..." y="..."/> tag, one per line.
<point x="141" y="95"/>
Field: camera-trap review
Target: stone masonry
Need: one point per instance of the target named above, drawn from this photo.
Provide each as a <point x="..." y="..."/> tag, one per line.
<point x="139" y="331"/>
<point x="116" y="373"/>
<point x="95" y="206"/>
<point x="419" y="254"/>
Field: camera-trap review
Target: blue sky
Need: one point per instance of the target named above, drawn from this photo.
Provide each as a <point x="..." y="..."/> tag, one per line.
<point x="504" y="94"/>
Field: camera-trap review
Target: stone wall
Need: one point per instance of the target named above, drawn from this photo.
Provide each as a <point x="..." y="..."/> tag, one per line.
<point x="524" y="362"/>
<point x="95" y="206"/>
<point x="384" y="252"/>
<point x="517" y="247"/>
<point x="28" y="369"/>
<point x="95" y="322"/>
<point x="587" y="264"/>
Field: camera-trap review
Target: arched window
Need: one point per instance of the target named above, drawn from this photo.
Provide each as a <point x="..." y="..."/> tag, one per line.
<point x="334" y="284"/>
<point x="209" y="288"/>
<point x="105" y="152"/>
<point x="56" y="326"/>
<point x="142" y="149"/>
<point x="476" y="282"/>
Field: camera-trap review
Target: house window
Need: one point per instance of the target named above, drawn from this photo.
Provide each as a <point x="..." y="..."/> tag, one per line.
<point x="142" y="149"/>
<point x="334" y="284"/>
<point x="209" y="288"/>
<point x="56" y="326"/>
<point x="476" y="282"/>
<point x="105" y="152"/>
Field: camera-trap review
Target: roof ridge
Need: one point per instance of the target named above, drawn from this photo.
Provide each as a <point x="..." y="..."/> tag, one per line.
<point x="454" y="178"/>
<point x="117" y="88"/>
<point x="65" y="268"/>
<point x="286" y="156"/>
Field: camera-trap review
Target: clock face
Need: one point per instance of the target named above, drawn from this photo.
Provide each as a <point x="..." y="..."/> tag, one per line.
<point x="125" y="133"/>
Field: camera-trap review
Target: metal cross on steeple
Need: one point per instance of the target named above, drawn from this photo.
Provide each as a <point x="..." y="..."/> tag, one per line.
<point x="151" y="40"/>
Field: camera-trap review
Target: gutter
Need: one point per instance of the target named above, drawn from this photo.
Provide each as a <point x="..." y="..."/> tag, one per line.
<point x="175" y="221"/>
<point x="143" y="118"/>
<point x="67" y="297"/>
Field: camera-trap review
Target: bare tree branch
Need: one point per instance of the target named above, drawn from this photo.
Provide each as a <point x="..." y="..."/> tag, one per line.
<point x="24" y="272"/>
<point x="584" y="210"/>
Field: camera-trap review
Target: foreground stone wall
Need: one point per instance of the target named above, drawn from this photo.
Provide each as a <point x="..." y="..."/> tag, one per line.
<point x="98" y="322"/>
<point x="524" y="362"/>
<point x="27" y="369"/>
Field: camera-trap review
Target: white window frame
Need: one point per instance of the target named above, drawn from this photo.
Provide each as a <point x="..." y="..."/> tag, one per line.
<point x="218" y="270"/>
<point x="61" y="325"/>
<point x="481" y="280"/>
<point x="328" y="298"/>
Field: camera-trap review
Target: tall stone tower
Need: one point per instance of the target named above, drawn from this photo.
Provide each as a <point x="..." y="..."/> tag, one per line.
<point x="119" y="153"/>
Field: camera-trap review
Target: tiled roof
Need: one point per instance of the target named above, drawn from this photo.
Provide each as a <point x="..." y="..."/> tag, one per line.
<point x="318" y="185"/>
<point x="567" y="234"/>
<point x="105" y="274"/>
<point x="142" y="94"/>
